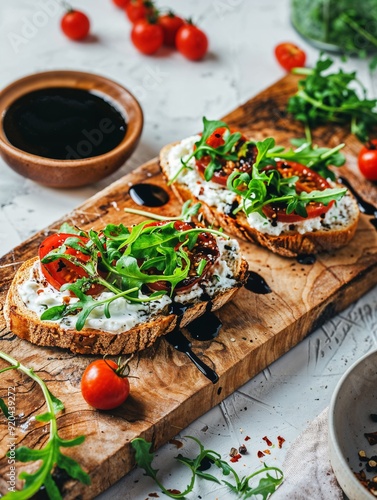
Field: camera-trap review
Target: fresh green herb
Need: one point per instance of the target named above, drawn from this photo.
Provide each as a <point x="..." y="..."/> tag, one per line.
<point x="201" y="267"/>
<point x="123" y="261"/>
<point x="263" y="187"/>
<point x="266" y="486"/>
<point x="312" y="156"/>
<point x="348" y="25"/>
<point x="69" y="229"/>
<point x="50" y="455"/>
<point x="337" y="97"/>
<point x="3" y="406"/>
<point x="187" y="212"/>
<point x="223" y="152"/>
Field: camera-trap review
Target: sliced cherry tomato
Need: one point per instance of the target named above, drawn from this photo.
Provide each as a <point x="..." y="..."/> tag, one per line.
<point x="308" y="181"/>
<point x="139" y="9"/>
<point x="75" y="25"/>
<point x="191" y="42"/>
<point x="147" y="36"/>
<point x="244" y="164"/>
<point x="121" y="3"/>
<point x="104" y="384"/>
<point x="205" y="249"/>
<point x="216" y="139"/>
<point x="290" y="56"/>
<point x="62" y="271"/>
<point x="367" y="160"/>
<point x="170" y="24"/>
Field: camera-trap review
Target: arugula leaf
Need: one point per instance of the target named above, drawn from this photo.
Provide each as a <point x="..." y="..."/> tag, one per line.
<point x="188" y="211"/>
<point x="216" y="155"/>
<point x="263" y="148"/>
<point x="262" y="188"/>
<point x="49" y="455"/>
<point x="266" y="486"/>
<point x="123" y="261"/>
<point x="69" y="229"/>
<point x="333" y="97"/>
<point x="4" y="408"/>
<point x="348" y="25"/>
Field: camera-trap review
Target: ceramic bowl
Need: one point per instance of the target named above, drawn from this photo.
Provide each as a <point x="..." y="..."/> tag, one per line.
<point x="353" y="401"/>
<point x="69" y="173"/>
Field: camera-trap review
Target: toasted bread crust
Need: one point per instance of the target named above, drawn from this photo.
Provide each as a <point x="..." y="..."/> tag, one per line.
<point x="27" y="325"/>
<point x="289" y="244"/>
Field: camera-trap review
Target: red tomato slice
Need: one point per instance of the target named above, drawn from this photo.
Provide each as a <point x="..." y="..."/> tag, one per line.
<point x="308" y="181"/>
<point x="62" y="271"/>
<point x="216" y="140"/>
<point x="205" y="248"/>
<point x="219" y="176"/>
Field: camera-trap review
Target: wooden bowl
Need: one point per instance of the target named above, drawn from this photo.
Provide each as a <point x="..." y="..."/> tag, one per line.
<point x="67" y="173"/>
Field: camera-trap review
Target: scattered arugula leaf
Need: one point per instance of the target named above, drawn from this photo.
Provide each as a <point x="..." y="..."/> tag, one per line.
<point x="337" y="97"/>
<point x="223" y="152"/>
<point x="263" y="187"/>
<point x="69" y="229"/>
<point x="50" y="455"/>
<point x="314" y="157"/>
<point x="188" y="211"/>
<point x="266" y="486"/>
<point x="4" y="408"/>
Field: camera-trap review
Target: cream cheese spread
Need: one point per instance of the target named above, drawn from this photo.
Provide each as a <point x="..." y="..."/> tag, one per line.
<point x="215" y="195"/>
<point x="38" y="295"/>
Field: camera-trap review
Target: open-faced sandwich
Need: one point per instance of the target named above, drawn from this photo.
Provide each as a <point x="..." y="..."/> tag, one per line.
<point x="118" y="290"/>
<point x="286" y="201"/>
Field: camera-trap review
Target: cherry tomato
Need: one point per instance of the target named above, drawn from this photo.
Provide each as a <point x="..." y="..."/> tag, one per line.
<point x="75" y="25"/>
<point x="367" y="160"/>
<point x="290" y="56"/>
<point x="147" y="36"/>
<point x="62" y="271"/>
<point x="121" y="3"/>
<point x="191" y="42"/>
<point x="308" y="181"/>
<point x="104" y="384"/>
<point x="170" y="24"/>
<point x="139" y="9"/>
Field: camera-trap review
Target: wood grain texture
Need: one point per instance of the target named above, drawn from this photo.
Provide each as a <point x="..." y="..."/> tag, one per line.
<point x="169" y="392"/>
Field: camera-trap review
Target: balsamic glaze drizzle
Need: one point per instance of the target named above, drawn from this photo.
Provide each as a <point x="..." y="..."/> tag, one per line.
<point x="182" y="344"/>
<point x="206" y="327"/>
<point x="148" y="195"/>
<point x="307" y="259"/>
<point x="256" y="283"/>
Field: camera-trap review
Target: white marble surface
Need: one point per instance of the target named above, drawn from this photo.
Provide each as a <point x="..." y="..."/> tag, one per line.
<point x="175" y="94"/>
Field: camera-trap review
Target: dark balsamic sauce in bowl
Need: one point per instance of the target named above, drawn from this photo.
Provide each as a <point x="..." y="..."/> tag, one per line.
<point x="64" y="123"/>
<point x="67" y="129"/>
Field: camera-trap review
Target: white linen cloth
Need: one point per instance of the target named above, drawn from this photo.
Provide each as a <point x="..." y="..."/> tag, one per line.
<point x="307" y="470"/>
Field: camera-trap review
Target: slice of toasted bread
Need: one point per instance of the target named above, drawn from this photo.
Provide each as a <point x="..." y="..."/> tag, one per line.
<point x="289" y="242"/>
<point x="26" y="323"/>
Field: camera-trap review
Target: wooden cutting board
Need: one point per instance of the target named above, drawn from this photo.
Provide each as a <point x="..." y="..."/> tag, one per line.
<point x="170" y="392"/>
